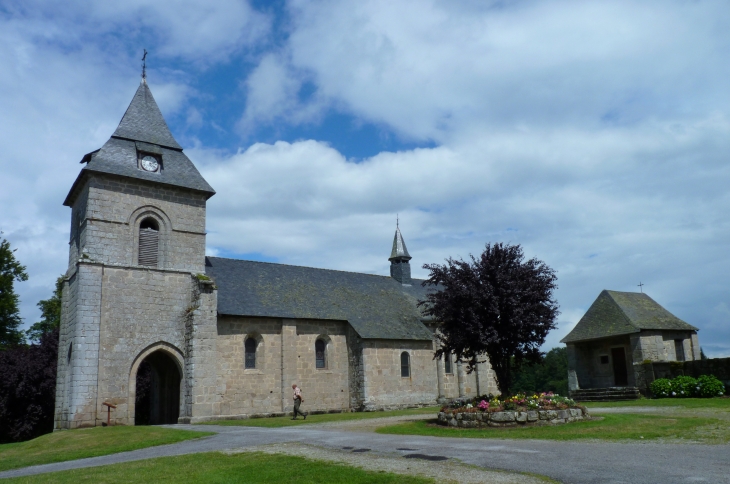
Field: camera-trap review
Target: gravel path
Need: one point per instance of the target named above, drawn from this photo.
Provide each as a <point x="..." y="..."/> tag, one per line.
<point x="448" y="471"/>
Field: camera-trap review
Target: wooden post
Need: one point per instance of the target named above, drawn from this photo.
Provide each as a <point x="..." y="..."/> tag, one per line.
<point x="109" y="407"/>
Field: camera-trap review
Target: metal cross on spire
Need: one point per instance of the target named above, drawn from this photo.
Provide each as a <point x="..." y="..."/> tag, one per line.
<point x="144" y="65"/>
<point x="641" y="286"/>
<point x="396" y="220"/>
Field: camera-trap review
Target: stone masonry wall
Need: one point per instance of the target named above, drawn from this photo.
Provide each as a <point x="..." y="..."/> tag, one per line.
<point x="650" y="371"/>
<point x="383" y="385"/>
<point x="323" y="388"/>
<point x="114" y="210"/>
<point x="511" y="419"/>
<point x="591" y="373"/>
<point x="267" y="388"/>
<point x="140" y="308"/>
<point x="203" y="392"/>
<point x="69" y="297"/>
<point x="247" y="391"/>
<point x="78" y="375"/>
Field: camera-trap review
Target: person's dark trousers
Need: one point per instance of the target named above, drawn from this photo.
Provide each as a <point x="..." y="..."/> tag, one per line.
<point x="298" y="402"/>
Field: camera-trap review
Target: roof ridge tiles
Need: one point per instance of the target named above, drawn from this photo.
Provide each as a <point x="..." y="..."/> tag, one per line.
<point x="302" y="267"/>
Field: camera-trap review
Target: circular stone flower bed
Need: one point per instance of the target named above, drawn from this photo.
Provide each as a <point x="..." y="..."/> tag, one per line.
<point x="542" y="409"/>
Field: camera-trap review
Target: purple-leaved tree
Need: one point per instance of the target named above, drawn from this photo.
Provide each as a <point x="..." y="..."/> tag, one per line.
<point x="497" y="305"/>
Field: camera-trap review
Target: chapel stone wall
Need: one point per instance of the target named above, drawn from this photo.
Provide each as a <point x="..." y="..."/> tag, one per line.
<point x="591" y="371"/>
<point x="384" y="387"/>
<point x="285" y="354"/>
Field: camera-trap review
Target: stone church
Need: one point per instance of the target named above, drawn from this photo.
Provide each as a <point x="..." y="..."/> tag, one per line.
<point x="221" y="338"/>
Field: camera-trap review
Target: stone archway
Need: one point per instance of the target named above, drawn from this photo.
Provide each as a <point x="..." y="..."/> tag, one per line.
<point x="155" y="384"/>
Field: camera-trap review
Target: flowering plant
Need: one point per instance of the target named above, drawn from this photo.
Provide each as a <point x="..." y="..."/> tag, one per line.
<point x="518" y="402"/>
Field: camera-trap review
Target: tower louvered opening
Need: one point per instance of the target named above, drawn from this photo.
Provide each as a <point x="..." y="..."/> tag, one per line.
<point x="149" y="240"/>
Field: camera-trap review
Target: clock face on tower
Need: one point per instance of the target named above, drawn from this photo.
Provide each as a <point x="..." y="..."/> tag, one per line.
<point x="149" y="163"/>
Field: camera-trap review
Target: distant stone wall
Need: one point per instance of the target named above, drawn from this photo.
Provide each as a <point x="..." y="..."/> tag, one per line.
<point x="719" y="367"/>
<point x="511" y="419"/>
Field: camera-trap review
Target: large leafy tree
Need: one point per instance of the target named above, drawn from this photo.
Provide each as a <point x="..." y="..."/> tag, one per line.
<point x="11" y="271"/>
<point x="497" y="305"/>
<point x="28" y="389"/>
<point x="50" y="314"/>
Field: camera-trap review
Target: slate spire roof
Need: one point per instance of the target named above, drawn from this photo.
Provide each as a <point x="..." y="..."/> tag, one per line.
<point x="615" y="313"/>
<point x="399" y="250"/>
<point x="143" y="121"/>
<point x="141" y="131"/>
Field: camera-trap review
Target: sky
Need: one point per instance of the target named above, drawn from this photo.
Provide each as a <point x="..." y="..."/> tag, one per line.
<point x="594" y="134"/>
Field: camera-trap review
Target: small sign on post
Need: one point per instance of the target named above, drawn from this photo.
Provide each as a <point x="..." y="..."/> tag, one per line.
<point x="109" y="407"/>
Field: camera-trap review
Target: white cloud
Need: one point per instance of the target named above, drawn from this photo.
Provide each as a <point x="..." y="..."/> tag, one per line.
<point x="205" y="32"/>
<point x="432" y="69"/>
<point x="594" y="134"/>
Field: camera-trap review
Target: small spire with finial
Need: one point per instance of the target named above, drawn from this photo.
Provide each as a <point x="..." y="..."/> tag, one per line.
<point x="396" y="220"/>
<point x="144" y="65"/>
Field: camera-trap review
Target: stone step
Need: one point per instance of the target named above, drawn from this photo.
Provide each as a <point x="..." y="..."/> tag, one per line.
<point x="605" y="394"/>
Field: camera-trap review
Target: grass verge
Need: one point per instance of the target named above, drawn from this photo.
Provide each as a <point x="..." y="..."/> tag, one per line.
<point x="93" y="442"/>
<point x="722" y="403"/>
<point x="613" y="427"/>
<point x="325" y="417"/>
<point x="215" y="467"/>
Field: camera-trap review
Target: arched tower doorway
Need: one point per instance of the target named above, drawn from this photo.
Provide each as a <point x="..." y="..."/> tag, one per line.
<point x="157" y="399"/>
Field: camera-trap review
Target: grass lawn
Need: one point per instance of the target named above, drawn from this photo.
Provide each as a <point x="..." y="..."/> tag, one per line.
<point x="721" y="403"/>
<point x="326" y="417"/>
<point x="92" y="442"/>
<point x="216" y="467"/>
<point x="613" y="427"/>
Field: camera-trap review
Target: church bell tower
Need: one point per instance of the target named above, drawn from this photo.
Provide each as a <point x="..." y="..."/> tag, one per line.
<point x="132" y="295"/>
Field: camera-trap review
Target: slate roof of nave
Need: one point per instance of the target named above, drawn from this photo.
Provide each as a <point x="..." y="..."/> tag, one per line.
<point x="377" y="307"/>
<point x="143" y="129"/>
<point x="615" y="313"/>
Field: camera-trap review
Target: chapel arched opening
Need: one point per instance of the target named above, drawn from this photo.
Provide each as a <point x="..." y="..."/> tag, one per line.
<point x="157" y="399"/>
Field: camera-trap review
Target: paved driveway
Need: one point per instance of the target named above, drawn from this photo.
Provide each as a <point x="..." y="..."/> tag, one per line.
<point x="569" y="462"/>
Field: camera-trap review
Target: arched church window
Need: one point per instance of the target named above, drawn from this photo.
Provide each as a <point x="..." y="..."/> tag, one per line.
<point x="250" y="353"/>
<point x="447" y="363"/>
<point x="320" y="350"/>
<point x="405" y="365"/>
<point x="149" y="240"/>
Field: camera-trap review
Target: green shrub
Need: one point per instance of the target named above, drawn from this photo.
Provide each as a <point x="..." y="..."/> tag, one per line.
<point x="661" y="388"/>
<point x="708" y="386"/>
<point x="684" y="386"/>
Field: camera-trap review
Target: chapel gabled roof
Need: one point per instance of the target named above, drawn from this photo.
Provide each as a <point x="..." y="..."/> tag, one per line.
<point x="615" y="313"/>
<point x="142" y="130"/>
<point x="399" y="250"/>
<point x="377" y="307"/>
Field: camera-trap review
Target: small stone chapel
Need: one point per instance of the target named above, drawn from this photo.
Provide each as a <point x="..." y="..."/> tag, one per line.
<point x="619" y="332"/>
<point x="221" y="338"/>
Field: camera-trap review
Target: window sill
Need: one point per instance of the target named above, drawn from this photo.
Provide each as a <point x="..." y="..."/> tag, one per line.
<point x="253" y="371"/>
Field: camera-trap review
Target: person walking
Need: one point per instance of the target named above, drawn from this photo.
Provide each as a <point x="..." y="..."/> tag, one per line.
<point x="298" y="400"/>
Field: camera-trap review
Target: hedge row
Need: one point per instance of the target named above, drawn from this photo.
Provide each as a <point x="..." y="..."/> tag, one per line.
<point x="706" y="386"/>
